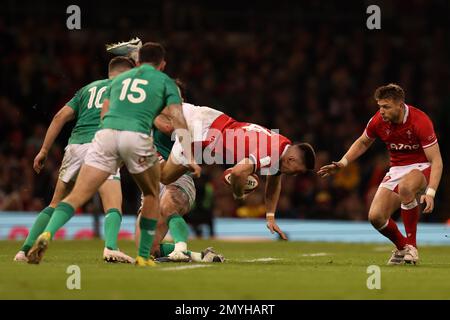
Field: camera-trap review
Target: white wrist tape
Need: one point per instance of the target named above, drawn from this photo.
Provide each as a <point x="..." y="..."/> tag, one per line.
<point x="344" y="161"/>
<point x="431" y="192"/>
<point x="270" y="215"/>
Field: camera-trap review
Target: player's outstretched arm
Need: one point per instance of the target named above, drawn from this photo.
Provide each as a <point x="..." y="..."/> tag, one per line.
<point x="433" y="155"/>
<point x="272" y="194"/>
<point x="64" y="115"/>
<point x="354" y="152"/>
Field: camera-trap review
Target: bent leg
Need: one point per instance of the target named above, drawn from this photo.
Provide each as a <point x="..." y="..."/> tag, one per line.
<point x="88" y="182"/>
<point x="384" y="204"/>
<point x="409" y="186"/>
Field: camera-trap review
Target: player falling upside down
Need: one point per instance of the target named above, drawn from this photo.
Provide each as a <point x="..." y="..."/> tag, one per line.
<point x="131" y="103"/>
<point x="85" y="107"/>
<point x="416" y="166"/>
<point x="250" y="147"/>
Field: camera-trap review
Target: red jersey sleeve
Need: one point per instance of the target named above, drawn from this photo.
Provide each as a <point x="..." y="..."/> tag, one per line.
<point x="425" y="132"/>
<point x="371" y="128"/>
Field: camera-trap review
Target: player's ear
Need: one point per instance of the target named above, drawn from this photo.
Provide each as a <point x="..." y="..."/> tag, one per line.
<point x="162" y="65"/>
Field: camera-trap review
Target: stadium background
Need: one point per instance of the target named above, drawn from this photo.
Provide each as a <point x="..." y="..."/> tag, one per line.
<point x="308" y="68"/>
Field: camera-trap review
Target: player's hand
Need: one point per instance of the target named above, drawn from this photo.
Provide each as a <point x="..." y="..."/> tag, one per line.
<point x="195" y="169"/>
<point x="39" y="161"/>
<point x="429" y="203"/>
<point x="273" y="227"/>
<point x="330" y="169"/>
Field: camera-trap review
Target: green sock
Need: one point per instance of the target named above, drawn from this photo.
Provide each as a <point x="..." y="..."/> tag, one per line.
<point x="112" y="222"/>
<point x="166" y="248"/>
<point x="178" y="228"/>
<point x="148" y="227"/>
<point x="37" y="228"/>
<point x="63" y="212"/>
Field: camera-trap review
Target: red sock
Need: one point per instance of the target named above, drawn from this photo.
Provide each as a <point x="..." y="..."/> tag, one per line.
<point x="410" y="216"/>
<point x="390" y="231"/>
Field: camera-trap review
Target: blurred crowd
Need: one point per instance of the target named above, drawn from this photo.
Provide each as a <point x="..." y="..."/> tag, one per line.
<point x="310" y="76"/>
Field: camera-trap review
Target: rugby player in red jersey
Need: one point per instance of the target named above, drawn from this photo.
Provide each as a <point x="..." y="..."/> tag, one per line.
<point x="249" y="147"/>
<point x="416" y="168"/>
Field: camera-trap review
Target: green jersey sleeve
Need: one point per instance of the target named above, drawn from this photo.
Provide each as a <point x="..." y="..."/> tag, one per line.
<point x="172" y="92"/>
<point x="75" y="102"/>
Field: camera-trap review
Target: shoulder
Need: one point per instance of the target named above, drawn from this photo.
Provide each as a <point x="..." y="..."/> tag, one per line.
<point x="376" y="121"/>
<point x="417" y="115"/>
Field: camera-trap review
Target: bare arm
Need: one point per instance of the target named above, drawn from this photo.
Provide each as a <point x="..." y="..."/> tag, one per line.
<point x="175" y="114"/>
<point x="354" y="152"/>
<point x="238" y="177"/>
<point x="272" y="194"/>
<point x="433" y="155"/>
<point x="64" y="115"/>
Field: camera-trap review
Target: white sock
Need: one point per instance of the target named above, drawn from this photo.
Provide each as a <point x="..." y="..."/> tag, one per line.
<point x="180" y="246"/>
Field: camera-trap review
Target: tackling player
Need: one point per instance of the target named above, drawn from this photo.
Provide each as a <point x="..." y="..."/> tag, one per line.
<point x="176" y="200"/>
<point x="416" y="167"/>
<point x="85" y="107"/>
<point x="132" y="102"/>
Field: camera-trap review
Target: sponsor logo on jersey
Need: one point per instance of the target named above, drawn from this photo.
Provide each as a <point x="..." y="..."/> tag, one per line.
<point x="401" y="146"/>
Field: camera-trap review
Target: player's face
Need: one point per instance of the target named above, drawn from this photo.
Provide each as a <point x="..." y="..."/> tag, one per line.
<point x="390" y="109"/>
<point x="293" y="166"/>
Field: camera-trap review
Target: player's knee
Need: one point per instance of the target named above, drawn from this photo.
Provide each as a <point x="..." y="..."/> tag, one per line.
<point x="377" y="220"/>
<point x="406" y="190"/>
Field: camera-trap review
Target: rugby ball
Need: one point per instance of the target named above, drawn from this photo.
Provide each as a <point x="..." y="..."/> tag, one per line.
<point x="252" y="181"/>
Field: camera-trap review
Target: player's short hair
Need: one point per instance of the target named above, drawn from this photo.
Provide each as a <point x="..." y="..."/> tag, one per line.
<point x="120" y="62"/>
<point x="308" y="155"/>
<point x="390" y="91"/>
<point x="182" y="86"/>
<point x="152" y="52"/>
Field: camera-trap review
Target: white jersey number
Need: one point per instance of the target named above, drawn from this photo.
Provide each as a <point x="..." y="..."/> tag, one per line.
<point x="134" y="89"/>
<point x="95" y="97"/>
<point x="257" y="128"/>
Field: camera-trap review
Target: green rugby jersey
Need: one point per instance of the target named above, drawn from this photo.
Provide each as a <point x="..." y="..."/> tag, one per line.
<point x="87" y="104"/>
<point x="136" y="97"/>
<point x="162" y="143"/>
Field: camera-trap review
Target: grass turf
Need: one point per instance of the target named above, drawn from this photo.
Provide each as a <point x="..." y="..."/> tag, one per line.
<point x="296" y="274"/>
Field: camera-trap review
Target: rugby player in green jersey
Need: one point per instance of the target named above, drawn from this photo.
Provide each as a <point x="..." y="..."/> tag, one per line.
<point x="85" y="107"/>
<point x="132" y="102"/>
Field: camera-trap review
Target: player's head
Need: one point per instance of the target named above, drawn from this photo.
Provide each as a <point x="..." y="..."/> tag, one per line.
<point x="390" y="100"/>
<point x="117" y="65"/>
<point x="298" y="158"/>
<point x="153" y="53"/>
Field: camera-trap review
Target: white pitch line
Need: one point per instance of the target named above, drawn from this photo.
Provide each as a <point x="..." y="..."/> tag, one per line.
<point x="318" y="254"/>
<point x="262" y="260"/>
<point x="187" y="267"/>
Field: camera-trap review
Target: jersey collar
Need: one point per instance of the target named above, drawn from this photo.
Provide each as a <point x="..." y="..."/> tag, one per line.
<point x="405" y="117"/>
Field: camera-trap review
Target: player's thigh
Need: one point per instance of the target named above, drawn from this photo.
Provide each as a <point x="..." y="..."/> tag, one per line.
<point x="111" y="194"/>
<point x="62" y="189"/>
<point x="412" y="183"/>
<point x="88" y="182"/>
<point x="174" y="200"/>
<point x="384" y="204"/>
<point x="148" y="180"/>
<point x="172" y="170"/>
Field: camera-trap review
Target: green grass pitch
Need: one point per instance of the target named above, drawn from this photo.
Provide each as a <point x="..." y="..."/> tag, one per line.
<point x="254" y="270"/>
